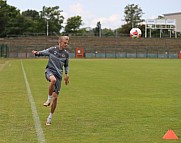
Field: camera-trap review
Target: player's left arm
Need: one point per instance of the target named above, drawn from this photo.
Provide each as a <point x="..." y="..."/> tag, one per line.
<point x="66" y="79"/>
<point x="66" y="67"/>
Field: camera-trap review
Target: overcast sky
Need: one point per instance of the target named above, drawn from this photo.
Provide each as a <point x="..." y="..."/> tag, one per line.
<point x="109" y="12"/>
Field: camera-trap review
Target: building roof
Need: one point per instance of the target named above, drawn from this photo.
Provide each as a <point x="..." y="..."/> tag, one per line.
<point x="176" y="13"/>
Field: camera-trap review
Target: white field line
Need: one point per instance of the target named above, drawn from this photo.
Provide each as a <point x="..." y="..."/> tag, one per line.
<point x="39" y="131"/>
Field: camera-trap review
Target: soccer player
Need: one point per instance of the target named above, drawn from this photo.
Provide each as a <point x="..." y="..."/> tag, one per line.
<point x="58" y="59"/>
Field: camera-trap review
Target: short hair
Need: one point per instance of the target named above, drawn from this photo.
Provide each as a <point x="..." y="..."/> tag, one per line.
<point x="63" y="38"/>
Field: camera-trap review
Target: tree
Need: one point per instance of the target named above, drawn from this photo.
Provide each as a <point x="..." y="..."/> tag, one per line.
<point x="125" y="29"/>
<point x="107" y="32"/>
<point x="133" y="15"/>
<point x="8" y="18"/>
<point x="13" y="24"/>
<point x="3" y="17"/>
<point x="52" y="16"/>
<point x="73" y="24"/>
<point x="32" y="14"/>
<point x="31" y="21"/>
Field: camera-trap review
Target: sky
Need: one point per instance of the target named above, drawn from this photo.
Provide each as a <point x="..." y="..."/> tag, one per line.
<point x="110" y="13"/>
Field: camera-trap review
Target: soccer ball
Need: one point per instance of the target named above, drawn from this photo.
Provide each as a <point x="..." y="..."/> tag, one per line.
<point x="135" y="33"/>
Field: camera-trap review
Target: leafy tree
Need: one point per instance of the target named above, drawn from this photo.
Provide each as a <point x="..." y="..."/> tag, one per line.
<point x="107" y="32"/>
<point x="13" y="16"/>
<point x="85" y="31"/>
<point x="133" y="15"/>
<point x="31" y="21"/>
<point x="32" y="14"/>
<point x="3" y="17"/>
<point x="73" y="24"/>
<point x="53" y="16"/>
<point x="8" y="18"/>
<point x="125" y="29"/>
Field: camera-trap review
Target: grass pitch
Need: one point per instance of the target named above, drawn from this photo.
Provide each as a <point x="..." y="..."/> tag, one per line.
<point x="107" y="101"/>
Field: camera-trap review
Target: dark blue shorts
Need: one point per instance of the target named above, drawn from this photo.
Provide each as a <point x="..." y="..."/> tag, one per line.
<point x="57" y="87"/>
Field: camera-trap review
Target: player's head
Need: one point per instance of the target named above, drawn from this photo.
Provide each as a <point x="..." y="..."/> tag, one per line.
<point x="63" y="38"/>
<point x="63" y="41"/>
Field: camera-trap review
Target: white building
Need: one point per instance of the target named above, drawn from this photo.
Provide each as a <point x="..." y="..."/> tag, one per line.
<point x="177" y="17"/>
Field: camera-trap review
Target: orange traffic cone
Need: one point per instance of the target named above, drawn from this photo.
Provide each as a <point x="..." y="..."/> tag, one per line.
<point x="170" y="135"/>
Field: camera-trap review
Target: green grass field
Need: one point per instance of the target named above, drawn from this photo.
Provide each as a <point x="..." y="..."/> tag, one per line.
<point x="107" y="101"/>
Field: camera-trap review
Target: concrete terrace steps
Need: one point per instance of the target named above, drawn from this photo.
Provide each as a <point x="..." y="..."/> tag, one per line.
<point x="95" y="42"/>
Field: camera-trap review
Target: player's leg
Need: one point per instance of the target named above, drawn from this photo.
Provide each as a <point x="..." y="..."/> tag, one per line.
<point x="52" y="84"/>
<point x="53" y="107"/>
<point x="52" y="80"/>
<point x="54" y="101"/>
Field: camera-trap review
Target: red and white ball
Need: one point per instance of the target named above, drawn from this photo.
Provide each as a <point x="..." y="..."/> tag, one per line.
<point x="135" y="33"/>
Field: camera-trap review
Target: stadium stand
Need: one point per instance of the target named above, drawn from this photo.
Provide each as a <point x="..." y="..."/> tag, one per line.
<point x="26" y="44"/>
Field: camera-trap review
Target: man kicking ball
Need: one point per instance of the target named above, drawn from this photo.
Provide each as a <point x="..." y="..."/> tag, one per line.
<point x="58" y="59"/>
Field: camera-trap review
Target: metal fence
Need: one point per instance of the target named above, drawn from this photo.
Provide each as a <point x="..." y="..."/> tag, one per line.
<point x="3" y="50"/>
<point x="92" y="52"/>
<point x="126" y="52"/>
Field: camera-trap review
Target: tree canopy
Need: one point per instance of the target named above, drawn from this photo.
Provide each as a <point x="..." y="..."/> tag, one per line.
<point x="133" y="18"/>
<point x="13" y="22"/>
<point x="50" y="19"/>
<point x="73" y="24"/>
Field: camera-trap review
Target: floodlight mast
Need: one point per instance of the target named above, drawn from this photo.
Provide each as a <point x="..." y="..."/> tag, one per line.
<point x="99" y="28"/>
<point x="47" y="19"/>
<point x="47" y="27"/>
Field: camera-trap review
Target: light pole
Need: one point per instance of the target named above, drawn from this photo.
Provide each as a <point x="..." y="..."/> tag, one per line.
<point x="47" y="18"/>
<point x="99" y="28"/>
<point x="47" y="27"/>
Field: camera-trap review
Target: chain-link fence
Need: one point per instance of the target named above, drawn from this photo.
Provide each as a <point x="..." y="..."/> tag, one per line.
<point x="134" y="52"/>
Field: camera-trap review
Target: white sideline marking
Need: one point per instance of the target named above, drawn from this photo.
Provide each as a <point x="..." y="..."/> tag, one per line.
<point x="39" y="131"/>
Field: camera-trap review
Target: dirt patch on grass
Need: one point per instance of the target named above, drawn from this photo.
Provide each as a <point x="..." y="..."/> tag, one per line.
<point x="2" y="64"/>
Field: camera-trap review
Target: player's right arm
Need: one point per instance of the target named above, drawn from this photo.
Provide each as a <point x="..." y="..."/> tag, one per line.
<point x="36" y="53"/>
<point x="41" y="53"/>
